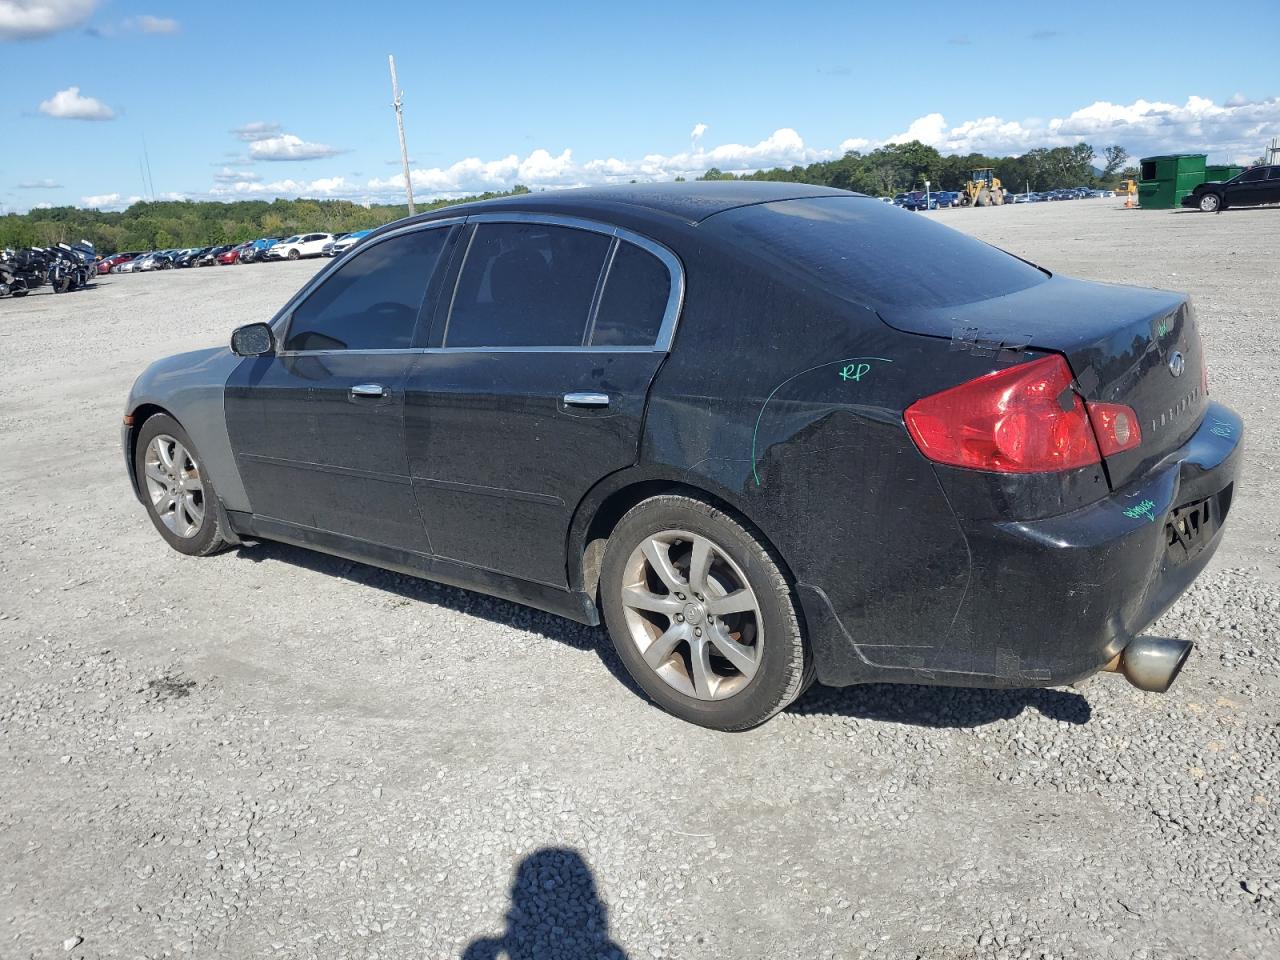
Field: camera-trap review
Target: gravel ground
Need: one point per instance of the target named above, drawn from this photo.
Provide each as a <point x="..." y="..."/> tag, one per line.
<point x="276" y="753"/>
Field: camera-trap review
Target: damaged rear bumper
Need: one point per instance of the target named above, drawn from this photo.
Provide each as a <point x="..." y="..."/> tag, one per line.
<point x="1052" y="601"/>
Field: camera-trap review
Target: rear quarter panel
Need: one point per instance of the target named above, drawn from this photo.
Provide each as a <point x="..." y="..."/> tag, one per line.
<point x="787" y="400"/>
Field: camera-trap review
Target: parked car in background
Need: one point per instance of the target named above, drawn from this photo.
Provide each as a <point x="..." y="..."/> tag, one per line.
<point x="327" y="249"/>
<point x="346" y="242"/>
<point x="232" y="255"/>
<point x="106" y="264"/>
<point x="257" y="251"/>
<point x="1250" y="188"/>
<point x="210" y="257"/>
<point x="300" y="246"/>
<point x="187" y="258"/>
<point x="160" y="260"/>
<point x="517" y="398"/>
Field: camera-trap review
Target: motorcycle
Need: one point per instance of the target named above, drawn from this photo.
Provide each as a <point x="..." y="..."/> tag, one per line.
<point x="11" y="285"/>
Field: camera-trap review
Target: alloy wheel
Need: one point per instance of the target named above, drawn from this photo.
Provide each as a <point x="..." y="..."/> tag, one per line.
<point x="692" y="615"/>
<point x="174" y="486"/>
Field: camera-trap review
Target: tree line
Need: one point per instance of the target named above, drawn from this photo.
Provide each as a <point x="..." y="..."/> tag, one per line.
<point x="171" y="224"/>
<point x="881" y="172"/>
<point x="906" y="166"/>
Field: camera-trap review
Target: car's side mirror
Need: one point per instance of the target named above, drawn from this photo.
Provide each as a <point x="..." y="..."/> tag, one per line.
<point x="252" y="340"/>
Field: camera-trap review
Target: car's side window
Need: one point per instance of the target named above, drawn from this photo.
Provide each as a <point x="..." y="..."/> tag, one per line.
<point x="1275" y="174"/>
<point x="634" y="300"/>
<point x="1250" y="176"/>
<point x="372" y="301"/>
<point x="526" y="285"/>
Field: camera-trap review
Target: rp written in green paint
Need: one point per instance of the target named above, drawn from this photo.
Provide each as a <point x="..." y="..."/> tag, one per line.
<point x="1144" y="509"/>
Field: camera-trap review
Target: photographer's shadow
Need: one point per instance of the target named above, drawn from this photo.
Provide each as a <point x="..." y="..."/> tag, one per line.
<point x="555" y="912"/>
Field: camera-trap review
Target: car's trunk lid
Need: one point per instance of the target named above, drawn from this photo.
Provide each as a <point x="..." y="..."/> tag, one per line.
<point x="1129" y="345"/>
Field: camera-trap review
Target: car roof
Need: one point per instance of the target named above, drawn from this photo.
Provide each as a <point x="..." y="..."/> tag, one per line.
<point x="690" y="202"/>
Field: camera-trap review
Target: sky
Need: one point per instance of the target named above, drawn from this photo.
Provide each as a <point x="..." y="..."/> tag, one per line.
<point x="107" y="101"/>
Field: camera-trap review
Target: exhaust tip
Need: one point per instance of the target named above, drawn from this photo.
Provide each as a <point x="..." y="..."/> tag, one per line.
<point x="1152" y="663"/>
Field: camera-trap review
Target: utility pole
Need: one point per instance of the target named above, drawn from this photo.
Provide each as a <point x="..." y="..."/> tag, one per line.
<point x="404" y="151"/>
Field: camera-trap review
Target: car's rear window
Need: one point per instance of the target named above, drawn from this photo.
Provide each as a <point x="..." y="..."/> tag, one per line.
<point x="873" y="253"/>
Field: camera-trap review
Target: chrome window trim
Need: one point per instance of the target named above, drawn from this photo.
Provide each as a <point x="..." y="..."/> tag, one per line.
<point x="280" y="322"/>
<point x="675" y="270"/>
<point x="666" y="331"/>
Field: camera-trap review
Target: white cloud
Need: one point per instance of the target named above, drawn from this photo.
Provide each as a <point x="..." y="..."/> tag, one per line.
<point x="68" y="104"/>
<point x="1236" y="130"/>
<point x="42" y="206"/>
<point x="251" y="187"/>
<point x="227" y="175"/>
<point x="28" y="19"/>
<point x="149" y="24"/>
<point x="45" y="184"/>
<point x="102" y="201"/>
<point x="288" y="147"/>
<point x="258" y="130"/>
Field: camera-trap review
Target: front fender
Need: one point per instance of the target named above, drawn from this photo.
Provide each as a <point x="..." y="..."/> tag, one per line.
<point x="189" y="387"/>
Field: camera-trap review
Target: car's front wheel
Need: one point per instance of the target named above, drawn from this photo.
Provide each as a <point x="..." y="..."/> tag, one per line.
<point x="178" y="496"/>
<point x="1210" y="202"/>
<point x="293" y="254"/>
<point x="701" y="614"/>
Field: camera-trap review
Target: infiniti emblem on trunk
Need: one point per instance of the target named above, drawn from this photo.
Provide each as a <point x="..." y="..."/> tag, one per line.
<point x="1177" y="364"/>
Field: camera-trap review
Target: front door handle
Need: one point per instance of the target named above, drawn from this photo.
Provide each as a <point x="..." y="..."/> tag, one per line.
<point x="586" y="399"/>
<point x="368" y="390"/>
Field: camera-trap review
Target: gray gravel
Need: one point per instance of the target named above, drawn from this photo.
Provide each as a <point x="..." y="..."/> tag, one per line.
<point x="276" y="753"/>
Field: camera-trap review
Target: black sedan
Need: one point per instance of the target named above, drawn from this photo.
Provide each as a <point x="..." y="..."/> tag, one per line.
<point x="1250" y="188"/>
<point x="766" y="432"/>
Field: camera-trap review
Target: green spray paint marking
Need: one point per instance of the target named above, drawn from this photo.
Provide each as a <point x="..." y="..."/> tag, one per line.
<point x="854" y="371"/>
<point x="1139" y="510"/>
<point x="1162" y="329"/>
<point x="846" y="363"/>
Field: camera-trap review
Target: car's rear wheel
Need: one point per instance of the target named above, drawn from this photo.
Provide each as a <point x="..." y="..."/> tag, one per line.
<point x="179" y="498"/>
<point x="1210" y="202"/>
<point x="701" y="614"/>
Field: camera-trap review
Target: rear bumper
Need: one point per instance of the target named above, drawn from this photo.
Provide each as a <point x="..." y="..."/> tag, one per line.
<point x="1051" y="601"/>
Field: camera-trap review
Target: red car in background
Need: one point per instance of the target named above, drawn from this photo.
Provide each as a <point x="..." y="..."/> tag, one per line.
<point x="232" y="255"/>
<point x="106" y="263"/>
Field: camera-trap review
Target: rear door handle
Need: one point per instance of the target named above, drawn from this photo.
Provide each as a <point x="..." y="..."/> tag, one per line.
<point x="367" y="390"/>
<point x="586" y="399"/>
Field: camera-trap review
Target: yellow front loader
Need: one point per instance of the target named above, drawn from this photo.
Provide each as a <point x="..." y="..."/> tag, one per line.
<point x="983" y="189"/>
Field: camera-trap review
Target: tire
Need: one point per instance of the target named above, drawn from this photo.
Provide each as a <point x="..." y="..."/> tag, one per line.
<point x="665" y="610"/>
<point x="984" y="198"/>
<point x="1210" y="203"/>
<point x="293" y="254"/>
<point x="182" y="533"/>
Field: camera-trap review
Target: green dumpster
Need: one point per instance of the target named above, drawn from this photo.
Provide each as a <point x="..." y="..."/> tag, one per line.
<point x="1216" y="172"/>
<point x="1166" y="180"/>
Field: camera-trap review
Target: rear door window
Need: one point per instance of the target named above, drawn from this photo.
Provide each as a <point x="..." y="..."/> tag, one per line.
<point x="372" y="301"/>
<point x="526" y="285"/>
<point x="634" y="301"/>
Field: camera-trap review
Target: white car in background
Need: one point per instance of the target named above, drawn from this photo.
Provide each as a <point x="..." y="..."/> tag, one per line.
<point x="299" y="246"/>
<point x="344" y="243"/>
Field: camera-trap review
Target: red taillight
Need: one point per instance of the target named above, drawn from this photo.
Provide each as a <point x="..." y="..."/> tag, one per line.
<point x="1115" y="426"/>
<point x="1026" y="419"/>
